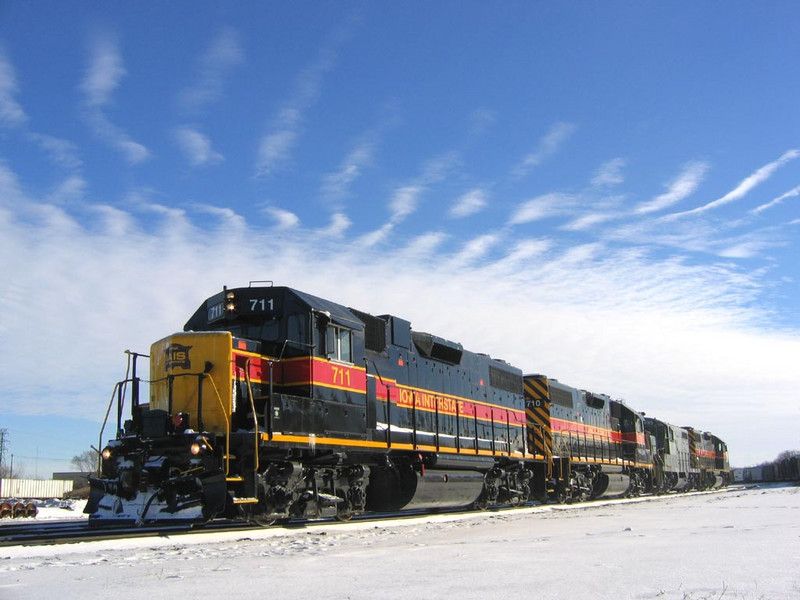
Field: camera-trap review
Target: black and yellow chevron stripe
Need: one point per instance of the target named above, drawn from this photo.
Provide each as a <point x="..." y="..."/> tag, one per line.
<point x="537" y="414"/>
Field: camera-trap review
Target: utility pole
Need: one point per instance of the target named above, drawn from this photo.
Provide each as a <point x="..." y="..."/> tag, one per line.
<point x="3" y="442"/>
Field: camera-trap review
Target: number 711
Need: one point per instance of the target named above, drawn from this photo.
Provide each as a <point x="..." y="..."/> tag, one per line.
<point x="261" y="304"/>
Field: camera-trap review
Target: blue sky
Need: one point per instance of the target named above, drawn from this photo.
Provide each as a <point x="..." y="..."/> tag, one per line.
<point x="608" y="193"/>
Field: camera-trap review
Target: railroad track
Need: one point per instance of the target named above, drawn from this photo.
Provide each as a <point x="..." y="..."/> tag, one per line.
<point x="31" y="534"/>
<point x="68" y="532"/>
<point x="72" y="531"/>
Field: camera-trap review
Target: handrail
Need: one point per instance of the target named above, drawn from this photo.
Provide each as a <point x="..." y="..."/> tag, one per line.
<point x="105" y="421"/>
<point x="227" y="426"/>
<point x="268" y="407"/>
<point x="436" y="419"/>
<point x="458" y="427"/>
<point x="388" y="401"/>
<point x="413" y="419"/>
<point x="253" y="408"/>
<point x="477" y="437"/>
<point x="114" y="392"/>
<point x="508" y="433"/>
<point x="494" y="442"/>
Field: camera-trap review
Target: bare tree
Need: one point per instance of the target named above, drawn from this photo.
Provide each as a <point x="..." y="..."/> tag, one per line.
<point x="86" y="462"/>
<point x="787" y="454"/>
<point x="17" y="473"/>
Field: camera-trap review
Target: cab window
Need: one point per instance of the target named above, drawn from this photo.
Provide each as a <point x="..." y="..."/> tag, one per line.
<point x="339" y="344"/>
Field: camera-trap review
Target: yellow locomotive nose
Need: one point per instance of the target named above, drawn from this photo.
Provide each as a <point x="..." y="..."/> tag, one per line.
<point x="184" y="384"/>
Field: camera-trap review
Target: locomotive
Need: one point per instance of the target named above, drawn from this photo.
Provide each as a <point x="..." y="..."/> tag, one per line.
<point x="274" y="404"/>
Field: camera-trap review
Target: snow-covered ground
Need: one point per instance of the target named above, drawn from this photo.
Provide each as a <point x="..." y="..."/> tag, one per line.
<point x="733" y="544"/>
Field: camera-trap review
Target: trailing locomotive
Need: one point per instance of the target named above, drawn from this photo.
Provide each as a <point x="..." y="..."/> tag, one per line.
<point x="595" y="445"/>
<point x="273" y="403"/>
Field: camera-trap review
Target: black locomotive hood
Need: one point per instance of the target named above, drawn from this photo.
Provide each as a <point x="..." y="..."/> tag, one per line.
<point x="259" y="301"/>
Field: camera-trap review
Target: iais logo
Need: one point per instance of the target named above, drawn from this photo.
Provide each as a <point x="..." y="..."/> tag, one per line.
<point x="177" y="355"/>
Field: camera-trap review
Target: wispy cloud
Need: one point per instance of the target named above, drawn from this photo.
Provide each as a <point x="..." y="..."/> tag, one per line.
<point x="116" y="222"/>
<point x="10" y="189"/>
<point x="745" y="249"/>
<point x="521" y="253"/>
<point x="338" y="225"/>
<point x="404" y="202"/>
<point x="475" y="249"/>
<point x="551" y="143"/>
<point x="480" y="120"/>
<point x="71" y="189"/>
<point x="682" y="187"/>
<point x="439" y="168"/>
<point x="470" y="203"/>
<point x="699" y="237"/>
<point x="336" y="185"/>
<point x="223" y="55"/>
<point x="425" y="244"/>
<point x="196" y="146"/>
<point x="405" y="198"/>
<point x="104" y="73"/>
<point x="373" y="238"/>
<point x="11" y="113"/>
<point x="588" y="221"/>
<point x="610" y="173"/>
<point x="276" y="146"/>
<point x="116" y="137"/>
<point x="102" y="78"/>
<point x="233" y="222"/>
<point x="793" y="193"/>
<point x="744" y="187"/>
<point x="542" y="207"/>
<point x="284" y="219"/>
<point x="62" y="152"/>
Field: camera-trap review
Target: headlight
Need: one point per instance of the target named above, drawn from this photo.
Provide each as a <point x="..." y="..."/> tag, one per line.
<point x="199" y="445"/>
<point x="230" y="302"/>
<point x="106" y="453"/>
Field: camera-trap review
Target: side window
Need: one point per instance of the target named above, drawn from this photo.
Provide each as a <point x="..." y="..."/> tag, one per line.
<point x="338" y="344"/>
<point x="345" y="347"/>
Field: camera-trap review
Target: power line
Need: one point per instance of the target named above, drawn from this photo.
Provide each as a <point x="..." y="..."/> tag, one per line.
<point x="43" y="458"/>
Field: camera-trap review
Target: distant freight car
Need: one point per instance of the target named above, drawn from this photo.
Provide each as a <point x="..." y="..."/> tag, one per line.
<point x="34" y="489"/>
<point x="785" y="469"/>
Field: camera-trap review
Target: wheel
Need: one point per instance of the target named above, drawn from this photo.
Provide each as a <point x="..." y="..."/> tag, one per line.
<point x="263" y="520"/>
<point x="481" y="503"/>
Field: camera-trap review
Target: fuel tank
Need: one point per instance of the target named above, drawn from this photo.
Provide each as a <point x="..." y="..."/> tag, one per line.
<point x="407" y="488"/>
<point x="611" y="484"/>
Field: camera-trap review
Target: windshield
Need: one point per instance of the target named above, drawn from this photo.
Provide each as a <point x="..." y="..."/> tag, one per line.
<point x="267" y="331"/>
